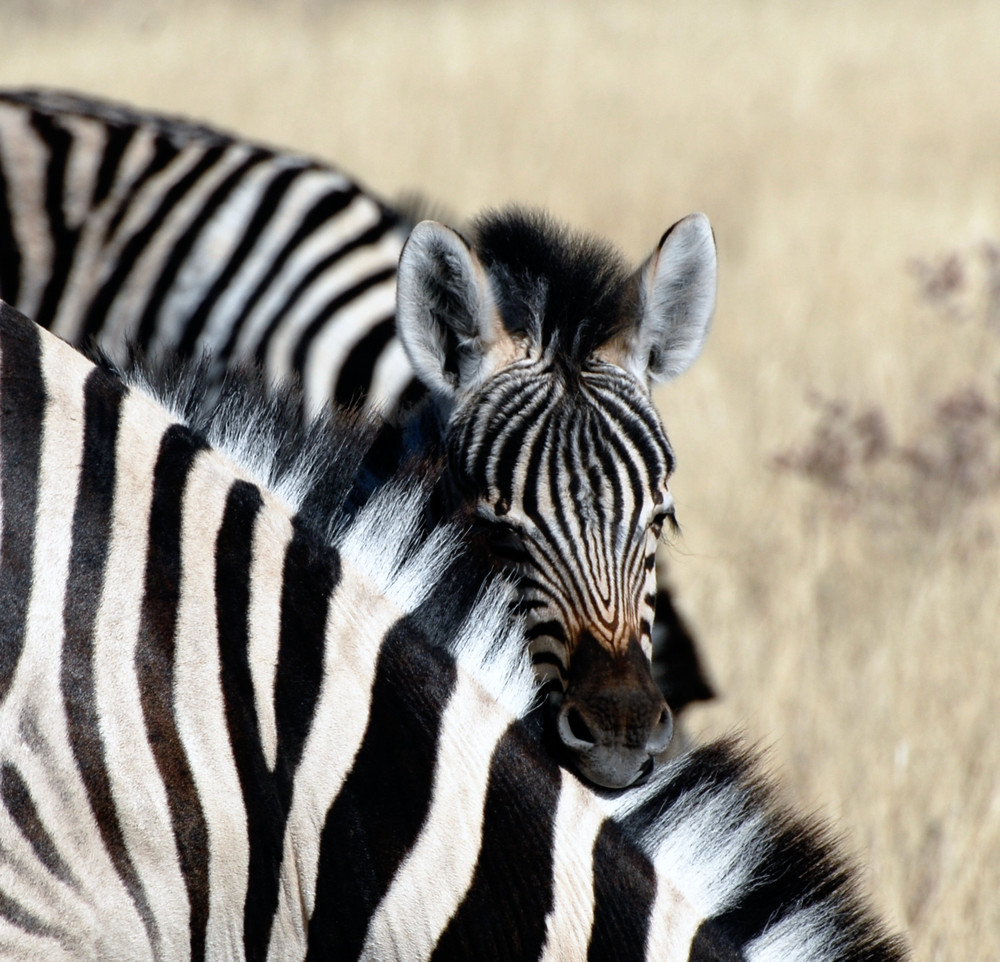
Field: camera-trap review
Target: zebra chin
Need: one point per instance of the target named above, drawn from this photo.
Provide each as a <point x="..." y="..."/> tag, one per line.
<point x="611" y="723"/>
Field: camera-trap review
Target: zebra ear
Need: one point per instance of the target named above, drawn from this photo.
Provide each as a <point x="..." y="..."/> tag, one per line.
<point x="677" y="299"/>
<point x="446" y="315"/>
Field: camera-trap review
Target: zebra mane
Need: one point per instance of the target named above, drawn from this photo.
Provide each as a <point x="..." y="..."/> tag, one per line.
<point x="712" y="821"/>
<point x="569" y="291"/>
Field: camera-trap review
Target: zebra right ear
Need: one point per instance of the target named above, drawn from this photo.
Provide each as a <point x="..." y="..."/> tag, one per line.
<point x="446" y="315"/>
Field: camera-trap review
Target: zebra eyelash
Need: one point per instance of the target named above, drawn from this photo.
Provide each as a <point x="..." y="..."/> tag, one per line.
<point x="666" y="519"/>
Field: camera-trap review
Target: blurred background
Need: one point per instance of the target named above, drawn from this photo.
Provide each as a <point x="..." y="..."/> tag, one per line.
<point x="839" y="440"/>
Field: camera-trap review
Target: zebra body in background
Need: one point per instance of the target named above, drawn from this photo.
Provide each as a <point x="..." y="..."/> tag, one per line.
<point x="135" y="228"/>
<point x="538" y="349"/>
<point x="236" y="724"/>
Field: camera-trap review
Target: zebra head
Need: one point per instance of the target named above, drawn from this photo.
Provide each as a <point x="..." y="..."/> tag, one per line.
<point x="540" y="348"/>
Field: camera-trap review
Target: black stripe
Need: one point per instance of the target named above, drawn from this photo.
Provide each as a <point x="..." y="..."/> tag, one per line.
<point x="412" y="394"/>
<point x="138" y="242"/>
<point x="713" y="945"/>
<point x="325" y="209"/>
<point x="181" y="250"/>
<point x="354" y="379"/>
<point x="624" y="894"/>
<point x="310" y="575"/>
<point x="10" y="250"/>
<point x="64" y="238"/>
<point x="164" y="151"/>
<point x="504" y="911"/>
<point x="91" y="535"/>
<point x="154" y="665"/>
<point x="22" y="413"/>
<point x="22" y="919"/>
<point x="234" y="559"/>
<point x="117" y="139"/>
<point x="377" y="815"/>
<point x="798" y="871"/>
<point x="16" y="798"/>
<point x="266" y="208"/>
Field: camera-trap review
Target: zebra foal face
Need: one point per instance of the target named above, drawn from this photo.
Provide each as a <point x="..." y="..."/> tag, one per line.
<point x="539" y="348"/>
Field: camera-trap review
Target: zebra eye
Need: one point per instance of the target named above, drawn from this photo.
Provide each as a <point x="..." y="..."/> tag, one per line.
<point x="507" y="544"/>
<point x="666" y="516"/>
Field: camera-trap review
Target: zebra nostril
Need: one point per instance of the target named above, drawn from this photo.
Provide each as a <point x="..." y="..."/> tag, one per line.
<point x="578" y="726"/>
<point x="662" y="732"/>
<point x="573" y="729"/>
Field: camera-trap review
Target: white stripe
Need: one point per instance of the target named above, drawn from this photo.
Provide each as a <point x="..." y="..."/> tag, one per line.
<point x="25" y="163"/>
<point x="198" y="702"/>
<point x="271" y="536"/>
<point x="88" y="141"/>
<point x="569" y="923"/>
<point x="673" y="924"/>
<point x="390" y="377"/>
<point x="137" y="790"/>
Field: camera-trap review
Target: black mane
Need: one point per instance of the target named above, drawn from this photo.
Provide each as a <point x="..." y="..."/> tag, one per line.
<point x="571" y="291"/>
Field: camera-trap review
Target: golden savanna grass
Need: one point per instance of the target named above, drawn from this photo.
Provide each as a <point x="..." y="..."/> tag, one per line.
<point x="851" y="622"/>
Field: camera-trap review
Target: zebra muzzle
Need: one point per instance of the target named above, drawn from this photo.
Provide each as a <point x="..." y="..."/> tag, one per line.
<point x="613" y="721"/>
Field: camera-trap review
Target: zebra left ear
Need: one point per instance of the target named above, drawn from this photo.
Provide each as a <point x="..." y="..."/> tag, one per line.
<point x="446" y="315"/>
<point x="676" y="302"/>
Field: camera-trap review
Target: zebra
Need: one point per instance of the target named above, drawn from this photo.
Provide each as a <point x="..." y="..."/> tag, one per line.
<point x="239" y="720"/>
<point x="127" y="227"/>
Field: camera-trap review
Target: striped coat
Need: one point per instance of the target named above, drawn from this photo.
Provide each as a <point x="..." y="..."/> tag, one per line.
<point x="242" y="718"/>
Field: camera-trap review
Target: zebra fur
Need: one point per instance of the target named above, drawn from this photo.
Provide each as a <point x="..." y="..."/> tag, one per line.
<point x="129" y="227"/>
<point x="226" y="734"/>
<point x="185" y="240"/>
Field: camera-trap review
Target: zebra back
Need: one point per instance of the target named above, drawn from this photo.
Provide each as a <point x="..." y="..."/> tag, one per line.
<point x="236" y="723"/>
<point x="121" y="227"/>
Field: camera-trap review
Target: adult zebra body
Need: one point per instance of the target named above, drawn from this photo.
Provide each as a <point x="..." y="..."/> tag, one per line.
<point x="538" y="348"/>
<point x="125" y="227"/>
<point x="236" y="723"/>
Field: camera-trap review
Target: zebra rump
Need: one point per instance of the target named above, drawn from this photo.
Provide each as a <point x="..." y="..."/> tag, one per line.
<point x="240" y="718"/>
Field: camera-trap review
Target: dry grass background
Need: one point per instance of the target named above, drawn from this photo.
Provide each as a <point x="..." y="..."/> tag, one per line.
<point x="855" y="630"/>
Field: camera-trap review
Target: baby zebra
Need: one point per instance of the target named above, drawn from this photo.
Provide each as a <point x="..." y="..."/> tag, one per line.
<point x="237" y="721"/>
<point x="538" y="348"/>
